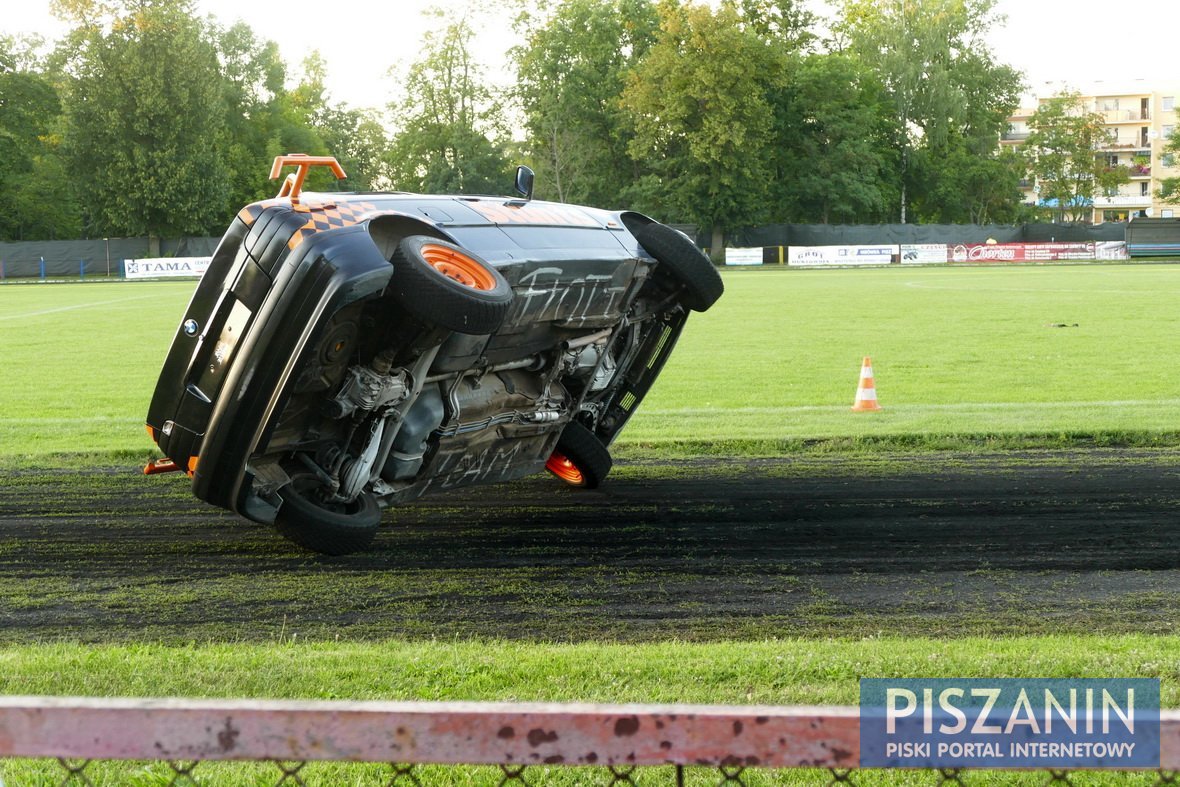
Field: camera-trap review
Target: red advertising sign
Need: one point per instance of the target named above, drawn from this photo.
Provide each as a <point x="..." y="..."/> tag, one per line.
<point x="1020" y="252"/>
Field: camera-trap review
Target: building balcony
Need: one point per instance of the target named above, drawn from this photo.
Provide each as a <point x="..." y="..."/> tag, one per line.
<point x="1124" y="116"/>
<point x="1015" y="136"/>
<point x="1119" y="144"/>
<point x="1123" y="201"/>
<point x="1140" y="172"/>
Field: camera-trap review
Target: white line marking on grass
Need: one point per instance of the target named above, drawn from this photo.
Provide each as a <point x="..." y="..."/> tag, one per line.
<point x="93" y="419"/>
<point x="918" y="407"/>
<point x="1033" y="290"/>
<point x="71" y="308"/>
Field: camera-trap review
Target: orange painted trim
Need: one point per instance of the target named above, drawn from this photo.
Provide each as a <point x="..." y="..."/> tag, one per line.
<point x="293" y="183"/>
<point x="160" y="466"/>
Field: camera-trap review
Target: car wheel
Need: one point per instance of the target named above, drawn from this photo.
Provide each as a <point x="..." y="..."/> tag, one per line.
<point x="685" y="263"/>
<point x="449" y="287"/>
<point x="328" y="528"/>
<point x="580" y="458"/>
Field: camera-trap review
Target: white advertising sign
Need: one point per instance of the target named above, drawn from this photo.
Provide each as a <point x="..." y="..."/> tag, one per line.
<point x="1111" y="250"/>
<point x="803" y="256"/>
<point x="166" y="267"/>
<point x="752" y="256"/>
<point x="923" y="253"/>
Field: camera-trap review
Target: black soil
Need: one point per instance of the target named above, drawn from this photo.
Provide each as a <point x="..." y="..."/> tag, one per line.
<point x="948" y="545"/>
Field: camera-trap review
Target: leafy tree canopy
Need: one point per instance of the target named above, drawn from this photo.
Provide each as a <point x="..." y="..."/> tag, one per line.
<point x="144" y="120"/>
<point x="571" y="71"/>
<point x="450" y="130"/>
<point x="1061" y="153"/>
<point x="944" y="86"/>
<point x="699" y="101"/>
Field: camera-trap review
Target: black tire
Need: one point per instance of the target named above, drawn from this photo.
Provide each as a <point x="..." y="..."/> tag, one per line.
<point x="328" y="529"/>
<point x="685" y="263"/>
<point x="473" y="300"/>
<point x="580" y="459"/>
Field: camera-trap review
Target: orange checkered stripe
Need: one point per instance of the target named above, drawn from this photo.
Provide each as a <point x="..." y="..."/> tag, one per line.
<point x="320" y="215"/>
<point x="528" y="213"/>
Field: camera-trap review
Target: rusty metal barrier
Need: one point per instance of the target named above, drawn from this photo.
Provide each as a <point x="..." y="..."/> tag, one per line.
<point x="525" y="742"/>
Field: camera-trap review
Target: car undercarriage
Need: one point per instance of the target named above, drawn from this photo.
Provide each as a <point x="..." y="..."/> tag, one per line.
<point x="413" y="344"/>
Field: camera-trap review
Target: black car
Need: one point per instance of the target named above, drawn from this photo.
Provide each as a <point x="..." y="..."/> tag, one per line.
<point x="348" y="352"/>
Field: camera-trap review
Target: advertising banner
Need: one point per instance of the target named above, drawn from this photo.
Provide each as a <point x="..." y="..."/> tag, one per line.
<point x="1021" y="252"/>
<point x="751" y="256"/>
<point x="818" y="256"/>
<point x="923" y="253"/>
<point x="166" y="267"/>
<point x="1111" y="250"/>
<point x="1009" y="723"/>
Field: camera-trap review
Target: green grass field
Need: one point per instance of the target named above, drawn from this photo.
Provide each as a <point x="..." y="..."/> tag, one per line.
<point x="770" y="673"/>
<point x="958" y="354"/>
<point x="963" y="357"/>
<point x="967" y="352"/>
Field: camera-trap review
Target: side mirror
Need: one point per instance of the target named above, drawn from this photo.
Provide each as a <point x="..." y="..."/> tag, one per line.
<point x="524" y="182"/>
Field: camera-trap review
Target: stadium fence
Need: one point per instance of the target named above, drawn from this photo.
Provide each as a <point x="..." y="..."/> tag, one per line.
<point x="523" y="743"/>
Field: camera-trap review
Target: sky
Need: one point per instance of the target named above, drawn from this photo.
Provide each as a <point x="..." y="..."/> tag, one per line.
<point x="1077" y="41"/>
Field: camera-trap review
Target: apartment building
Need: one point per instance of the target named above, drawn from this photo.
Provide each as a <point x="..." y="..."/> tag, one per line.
<point x="1138" y="122"/>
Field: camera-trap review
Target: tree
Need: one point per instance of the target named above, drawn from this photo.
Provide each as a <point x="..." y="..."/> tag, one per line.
<point x="450" y="131"/>
<point x="38" y="194"/>
<point x="257" y="125"/>
<point x="571" y="71"/>
<point x="1170" y="187"/>
<point x="965" y="177"/>
<point x="1061" y="152"/>
<point x="786" y="23"/>
<point x="835" y="154"/>
<point x="265" y="117"/>
<point x="958" y="185"/>
<point x="358" y="140"/>
<point x="931" y="57"/>
<point x="145" y="126"/>
<point x="699" y="102"/>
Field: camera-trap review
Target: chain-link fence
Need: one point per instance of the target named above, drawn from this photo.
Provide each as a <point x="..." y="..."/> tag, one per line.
<point x="190" y="742"/>
<point x="84" y="772"/>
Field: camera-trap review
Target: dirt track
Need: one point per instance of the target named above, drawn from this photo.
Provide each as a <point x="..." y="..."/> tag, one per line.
<point x="948" y="545"/>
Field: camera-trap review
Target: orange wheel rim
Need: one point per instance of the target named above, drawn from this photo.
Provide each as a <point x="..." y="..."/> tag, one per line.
<point x="561" y="466"/>
<point x="456" y="265"/>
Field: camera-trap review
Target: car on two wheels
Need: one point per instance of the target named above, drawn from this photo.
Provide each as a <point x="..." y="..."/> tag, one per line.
<point x="346" y="353"/>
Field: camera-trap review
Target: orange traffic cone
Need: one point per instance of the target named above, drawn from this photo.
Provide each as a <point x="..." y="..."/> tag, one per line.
<point x="866" y="392"/>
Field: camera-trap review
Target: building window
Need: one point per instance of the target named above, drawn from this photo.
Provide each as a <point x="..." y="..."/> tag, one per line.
<point x="1112" y="160"/>
<point x="1169" y="103"/>
<point x="1110" y="104"/>
<point x="1144" y="189"/>
<point x="1168" y="160"/>
<point x="1167" y="131"/>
